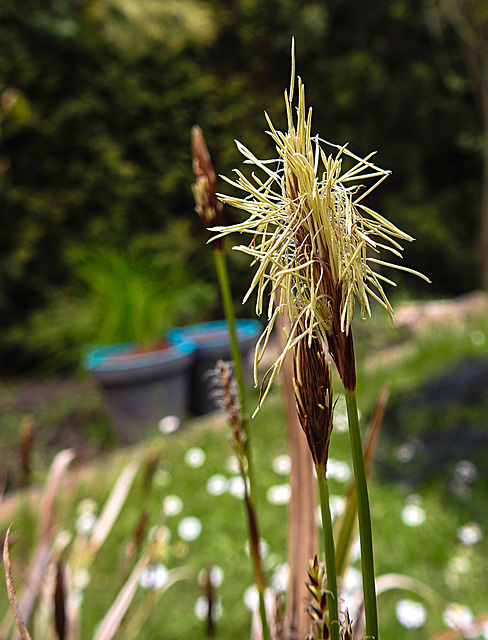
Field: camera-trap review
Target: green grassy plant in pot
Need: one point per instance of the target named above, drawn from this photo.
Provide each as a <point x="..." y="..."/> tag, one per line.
<point x="122" y="303"/>
<point x="143" y="385"/>
<point x="146" y="377"/>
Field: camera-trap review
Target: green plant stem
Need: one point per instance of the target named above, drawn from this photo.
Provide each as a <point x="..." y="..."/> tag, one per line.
<point x="329" y="552"/>
<point x="223" y="276"/>
<point x="228" y="303"/>
<point x="364" y="517"/>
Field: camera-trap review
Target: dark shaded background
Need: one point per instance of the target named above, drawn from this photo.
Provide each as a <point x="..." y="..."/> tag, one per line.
<point x="97" y="110"/>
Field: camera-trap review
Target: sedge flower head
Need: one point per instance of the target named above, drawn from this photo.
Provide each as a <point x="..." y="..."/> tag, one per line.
<point x="207" y="205"/>
<point x="314" y="240"/>
<point x="313" y="397"/>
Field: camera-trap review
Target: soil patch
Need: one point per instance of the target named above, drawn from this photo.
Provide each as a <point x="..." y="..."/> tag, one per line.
<point x="29" y="395"/>
<point x="38" y="418"/>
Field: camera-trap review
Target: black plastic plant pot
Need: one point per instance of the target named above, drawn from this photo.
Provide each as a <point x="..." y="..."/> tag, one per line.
<point x="212" y="343"/>
<point x="142" y="386"/>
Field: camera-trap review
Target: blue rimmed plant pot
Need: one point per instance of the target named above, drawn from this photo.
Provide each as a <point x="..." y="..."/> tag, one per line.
<point x="142" y="386"/>
<point x="212" y="343"/>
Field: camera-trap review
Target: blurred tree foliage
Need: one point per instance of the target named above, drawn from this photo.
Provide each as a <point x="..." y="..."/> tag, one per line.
<point x="100" y="152"/>
<point x="469" y="18"/>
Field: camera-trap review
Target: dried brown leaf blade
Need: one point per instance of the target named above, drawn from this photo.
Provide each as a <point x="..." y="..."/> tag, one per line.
<point x="302" y="532"/>
<point x="113" y="506"/>
<point x="42" y="553"/>
<point x="21" y="626"/>
<point x="60" y="603"/>
<point x="57" y="474"/>
<point x="111" y="623"/>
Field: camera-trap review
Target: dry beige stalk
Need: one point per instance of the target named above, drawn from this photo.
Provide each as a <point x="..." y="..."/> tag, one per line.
<point x="302" y="532"/>
<point x="110" y="625"/>
<point x="24" y="634"/>
<point x="113" y="506"/>
<point x="57" y="478"/>
<point x="42" y="554"/>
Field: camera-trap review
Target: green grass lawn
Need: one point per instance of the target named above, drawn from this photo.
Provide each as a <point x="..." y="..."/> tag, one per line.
<point x="419" y="510"/>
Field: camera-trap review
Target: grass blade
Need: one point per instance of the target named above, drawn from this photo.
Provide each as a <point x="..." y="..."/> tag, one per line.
<point x="57" y="474"/>
<point x="113" y="506"/>
<point x="139" y="617"/>
<point x="111" y="622"/>
<point x="24" y="634"/>
<point x="42" y="553"/>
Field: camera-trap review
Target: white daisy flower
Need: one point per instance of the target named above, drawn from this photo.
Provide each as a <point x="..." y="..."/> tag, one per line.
<point x="457" y="616"/>
<point x="470" y="534"/>
<point x="169" y="424"/>
<point x="85" y="523"/>
<point x="172" y="505"/>
<point x="217" y="485"/>
<point x="338" y="470"/>
<point x="195" y="457"/>
<point x="337" y="505"/>
<point x="281" y="578"/>
<point x="282" y="464"/>
<point x="251" y="598"/>
<point x="232" y="464"/>
<point x="413" y="515"/>
<point x="201" y="609"/>
<point x="154" y="577"/>
<point x="216" y="576"/>
<point x="465" y="471"/>
<point x="189" y="528"/>
<point x="263" y="548"/>
<point x="279" y="494"/>
<point x="81" y="579"/>
<point x="352" y="584"/>
<point x="410" y="614"/>
<point x="236" y="487"/>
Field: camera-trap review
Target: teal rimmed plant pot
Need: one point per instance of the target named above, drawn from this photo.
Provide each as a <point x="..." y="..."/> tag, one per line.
<point x="212" y="343"/>
<point x="142" y="386"/>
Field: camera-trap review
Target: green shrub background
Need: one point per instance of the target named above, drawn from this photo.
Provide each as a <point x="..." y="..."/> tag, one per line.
<point x="95" y="152"/>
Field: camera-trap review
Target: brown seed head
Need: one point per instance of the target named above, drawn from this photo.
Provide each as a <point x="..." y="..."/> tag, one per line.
<point x="313" y="394"/>
<point x="226" y="395"/>
<point x="341" y="346"/>
<point x="208" y="206"/>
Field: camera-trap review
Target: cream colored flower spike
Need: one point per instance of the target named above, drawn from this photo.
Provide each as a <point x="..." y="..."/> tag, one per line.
<point x="311" y="231"/>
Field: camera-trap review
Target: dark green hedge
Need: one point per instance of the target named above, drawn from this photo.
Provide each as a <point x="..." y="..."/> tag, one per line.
<point x="103" y="154"/>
